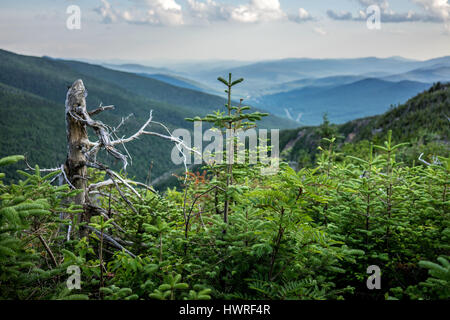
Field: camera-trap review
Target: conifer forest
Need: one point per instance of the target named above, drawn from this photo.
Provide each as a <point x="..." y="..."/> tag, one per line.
<point x="225" y="231"/>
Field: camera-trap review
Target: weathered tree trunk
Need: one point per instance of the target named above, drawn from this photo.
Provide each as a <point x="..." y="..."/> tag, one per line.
<point x="77" y="142"/>
<point x="82" y="153"/>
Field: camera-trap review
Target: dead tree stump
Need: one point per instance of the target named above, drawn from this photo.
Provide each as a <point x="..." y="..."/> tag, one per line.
<point x="82" y="153"/>
<point x="77" y="143"/>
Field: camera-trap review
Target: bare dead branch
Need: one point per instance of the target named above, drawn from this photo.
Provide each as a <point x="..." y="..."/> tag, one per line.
<point x="111" y="240"/>
<point x="122" y="122"/>
<point x="49" y="251"/>
<point x="422" y="160"/>
<point x="123" y="196"/>
<point x="63" y="173"/>
<point x="109" y="182"/>
<point x="104" y="213"/>
<point x="137" y="134"/>
<point x="110" y="172"/>
<point x="30" y="168"/>
<point x="100" y="109"/>
<point x="188" y="218"/>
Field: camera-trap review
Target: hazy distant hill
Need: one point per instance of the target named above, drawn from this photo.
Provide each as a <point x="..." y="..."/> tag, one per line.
<point x="342" y="102"/>
<point x="272" y="72"/>
<point x="435" y="73"/>
<point x="267" y="74"/>
<point x="311" y="82"/>
<point x="179" y="82"/>
<point x="136" y="68"/>
<point x="302" y="89"/>
<point x="331" y="67"/>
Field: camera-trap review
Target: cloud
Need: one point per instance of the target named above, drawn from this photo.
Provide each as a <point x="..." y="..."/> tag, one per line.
<point x="154" y="12"/>
<point x="342" y="15"/>
<point x="436" y="10"/>
<point x="302" y="16"/>
<point x="432" y="11"/>
<point x="207" y="11"/>
<point x="387" y="14"/>
<point x="258" y="11"/>
<point x="254" y="11"/>
<point x="169" y="12"/>
<point x="383" y="4"/>
<point x="108" y="14"/>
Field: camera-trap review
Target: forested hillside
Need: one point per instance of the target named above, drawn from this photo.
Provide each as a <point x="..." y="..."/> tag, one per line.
<point x="32" y="95"/>
<point x="342" y="101"/>
<point x="423" y="121"/>
<point x="361" y="202"/>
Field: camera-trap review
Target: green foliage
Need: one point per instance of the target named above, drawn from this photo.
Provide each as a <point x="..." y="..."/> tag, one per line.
<point x="116" y="293"/>
<point x="439" y="280"/>
<point x="169" y="287"/>
<point x="232" y="233"/>
<point x="29" y="215"/>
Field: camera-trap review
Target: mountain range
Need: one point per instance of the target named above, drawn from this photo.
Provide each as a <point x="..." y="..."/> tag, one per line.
<point x="33" y="89"/>
<point x="304" y="89"/>
<point x="342" y="103"/>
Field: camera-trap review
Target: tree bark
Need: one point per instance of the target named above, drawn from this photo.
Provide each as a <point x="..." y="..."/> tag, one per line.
<point x="77" y="143"/>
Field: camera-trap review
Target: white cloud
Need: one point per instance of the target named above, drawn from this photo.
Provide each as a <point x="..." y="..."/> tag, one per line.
<point x="108" y="14"/>
<point x="339" y="15"/>
<point x="169" y="12"/>
<point x="383" y="4"/>
<point x="258" y="11"/>
<point x="254" y="11"/>
<point x="387" y="14"/>
<point x="156" y="12"/>
<point x="432" y="11"/>
<point x="436" y="9"/>
<point x="206" y="12"/>
<point x="302" y="16"/>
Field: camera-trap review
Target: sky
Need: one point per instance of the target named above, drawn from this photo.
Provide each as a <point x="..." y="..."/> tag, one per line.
<point x="247" y="30"/>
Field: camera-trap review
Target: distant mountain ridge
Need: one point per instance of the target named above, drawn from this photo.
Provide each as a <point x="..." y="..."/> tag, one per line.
<point x="301" y="88"/>
<point x="179" y="81"/>
<point x="357" y="99"/>
<point x="137" y="68"/>
<point x="435" y="73"/>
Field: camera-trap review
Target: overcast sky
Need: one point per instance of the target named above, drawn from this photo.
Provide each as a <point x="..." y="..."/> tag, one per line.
<point x="145" y="30"/>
